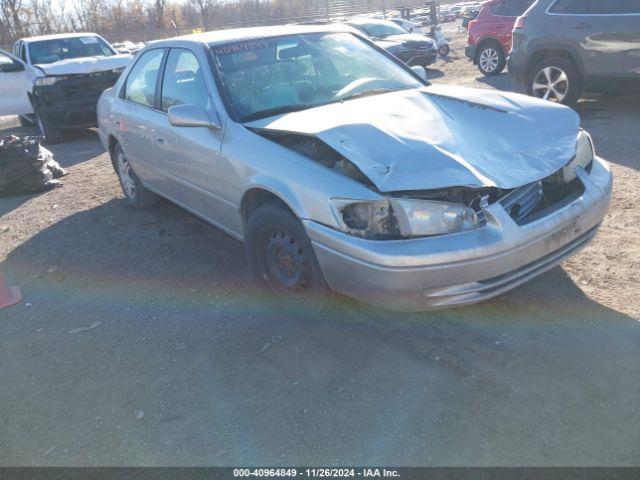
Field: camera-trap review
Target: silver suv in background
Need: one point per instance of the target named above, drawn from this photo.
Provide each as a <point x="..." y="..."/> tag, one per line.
<point x="563" y="47"/>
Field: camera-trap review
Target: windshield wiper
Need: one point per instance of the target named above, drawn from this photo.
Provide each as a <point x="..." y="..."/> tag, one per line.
<point x="373" y="91"/>
<point x="269" y="112"/>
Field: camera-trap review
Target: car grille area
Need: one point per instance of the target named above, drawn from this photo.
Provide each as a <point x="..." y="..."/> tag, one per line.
<point x="535" y="200"/>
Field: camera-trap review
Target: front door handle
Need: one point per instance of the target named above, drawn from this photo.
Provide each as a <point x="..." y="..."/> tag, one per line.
<point x="160" y="141"/>
<point x="500" y="25"/>
<point x="581" y="25"/>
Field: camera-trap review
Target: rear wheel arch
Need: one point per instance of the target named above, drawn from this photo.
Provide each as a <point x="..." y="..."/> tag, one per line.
<point x="547" y="52"/>
<point x="484" y="42"/>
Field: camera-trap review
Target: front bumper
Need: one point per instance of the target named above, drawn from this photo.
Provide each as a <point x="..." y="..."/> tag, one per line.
<point x="464" y="268"/>
<point x="71" y="115"/>
<point x="422" y="58"/>
<point x="71" y="103"/>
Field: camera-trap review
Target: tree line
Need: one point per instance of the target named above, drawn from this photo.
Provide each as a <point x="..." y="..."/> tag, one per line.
<point x="142" y="20"/>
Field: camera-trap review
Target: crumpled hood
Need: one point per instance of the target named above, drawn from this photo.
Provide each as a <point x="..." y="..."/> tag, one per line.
<point x="440" y="136"/>
<point x="75" y="66"/>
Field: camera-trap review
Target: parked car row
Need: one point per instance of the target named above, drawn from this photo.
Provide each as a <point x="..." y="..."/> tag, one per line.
<point x="411" y="48"/>
<point x="54" y="81"/>
<point x="559" y="48"/>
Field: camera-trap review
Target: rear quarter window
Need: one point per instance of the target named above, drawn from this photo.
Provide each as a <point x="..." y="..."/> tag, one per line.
<point x="510" y="8"/>
<point x="140" y="86"/>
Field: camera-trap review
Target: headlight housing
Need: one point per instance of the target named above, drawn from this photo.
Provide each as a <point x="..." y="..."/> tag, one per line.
<point x="47" y="81"/>
<point x="402" y="218"/>
<point x="585" y="154"/>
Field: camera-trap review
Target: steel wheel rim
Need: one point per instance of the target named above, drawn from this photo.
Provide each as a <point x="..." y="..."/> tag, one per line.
<point x="284" y="264"/>
<point x="489" y="59"/>
<point x="551" y="83"/>
<point x="125" y="172"/>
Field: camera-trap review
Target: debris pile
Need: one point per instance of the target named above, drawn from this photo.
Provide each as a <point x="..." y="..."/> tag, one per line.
<point x="26" y="166"/>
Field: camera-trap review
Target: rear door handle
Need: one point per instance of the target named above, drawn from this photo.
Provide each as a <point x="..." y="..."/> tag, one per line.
<point x="581" y="25"/>
<point x="160" y="140"/>
<point x="500" y="25"/>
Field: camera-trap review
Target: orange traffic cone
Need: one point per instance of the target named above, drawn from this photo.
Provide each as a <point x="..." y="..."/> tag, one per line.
<point x="8" y="295"/>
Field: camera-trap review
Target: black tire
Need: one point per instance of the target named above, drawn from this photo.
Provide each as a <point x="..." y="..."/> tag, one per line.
<point x="135" y="193"/>
<point x="282" y="260"/>
<point x="444" y="50"/>
<point x="553" y="68"/>
<point x="52" y="135"/>
<point x="491" y="59"/>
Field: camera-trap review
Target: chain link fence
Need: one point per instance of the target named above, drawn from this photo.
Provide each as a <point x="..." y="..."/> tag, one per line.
<point x="320" y="11"/>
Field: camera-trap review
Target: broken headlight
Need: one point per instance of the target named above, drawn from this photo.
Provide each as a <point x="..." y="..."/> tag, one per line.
<point x="584" y="156"/>
<point x="49" y="80"/>
<point x="402" y="218"/>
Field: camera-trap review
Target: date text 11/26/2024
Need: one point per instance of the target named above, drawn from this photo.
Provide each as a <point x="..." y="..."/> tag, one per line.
<point x="316" y="472"/>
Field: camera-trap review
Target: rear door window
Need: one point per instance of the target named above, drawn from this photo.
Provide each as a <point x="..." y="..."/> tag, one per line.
<point x="140" y="86"/>
<point x="571" y="7"/>
<point x="615" y="7"/>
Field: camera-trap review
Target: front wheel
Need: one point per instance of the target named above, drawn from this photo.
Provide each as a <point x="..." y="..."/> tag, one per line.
<point x="555" y="79"/>
<point x="491" y="59"/>
<point x="444" y="50"/>
<point x="281" y="258"/>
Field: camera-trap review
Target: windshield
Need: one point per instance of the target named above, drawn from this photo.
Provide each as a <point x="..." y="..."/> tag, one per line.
<point x="49" y="51"/>
<point x="274" y="75"/>
<point x="381" y="30"/>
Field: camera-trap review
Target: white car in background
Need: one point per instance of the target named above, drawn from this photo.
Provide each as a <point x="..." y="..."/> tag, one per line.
<point x="15" y="82"/>
<point x="58" y="79"/>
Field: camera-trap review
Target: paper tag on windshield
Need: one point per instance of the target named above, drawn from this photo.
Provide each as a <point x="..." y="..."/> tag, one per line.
<point x="88" y="40"/>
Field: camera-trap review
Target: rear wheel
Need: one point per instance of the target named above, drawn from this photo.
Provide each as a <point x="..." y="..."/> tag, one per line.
<point x="282" y="259"/>
<point x="135" y="193"/>
<point x="491" y="59"/>
<point x="555" y="79"/>
<point x="444" y="50"/>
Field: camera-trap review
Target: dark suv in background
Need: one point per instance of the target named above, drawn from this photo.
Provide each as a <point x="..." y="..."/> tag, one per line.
<point x="562" y="47"/>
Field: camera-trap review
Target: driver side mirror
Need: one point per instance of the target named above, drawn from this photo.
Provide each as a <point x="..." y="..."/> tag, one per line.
<point x="420" y="71"/>
<point x="191" y="116"/>
<point x="11" y="67"/>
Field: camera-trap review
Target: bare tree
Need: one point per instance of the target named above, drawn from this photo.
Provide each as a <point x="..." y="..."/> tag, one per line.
<point x="206" y="10"/>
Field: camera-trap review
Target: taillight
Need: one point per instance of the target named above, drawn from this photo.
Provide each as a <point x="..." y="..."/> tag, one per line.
<point x="520" y="21"/>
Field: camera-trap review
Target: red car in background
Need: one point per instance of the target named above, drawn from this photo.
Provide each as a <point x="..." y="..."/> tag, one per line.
<point x="490" y="34"/>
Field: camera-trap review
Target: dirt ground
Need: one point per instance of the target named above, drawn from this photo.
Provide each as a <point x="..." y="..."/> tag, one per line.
<point x="138" y="343"/>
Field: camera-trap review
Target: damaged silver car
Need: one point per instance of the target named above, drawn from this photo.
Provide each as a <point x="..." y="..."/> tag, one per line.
<point x="343" y="170"/>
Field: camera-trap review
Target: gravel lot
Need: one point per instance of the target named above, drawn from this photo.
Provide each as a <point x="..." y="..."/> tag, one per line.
<point x="138" y="343"/>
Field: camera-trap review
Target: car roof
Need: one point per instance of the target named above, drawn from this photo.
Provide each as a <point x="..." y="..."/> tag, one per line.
<point x="252" y="33"/>
<point x="57" y="36"/>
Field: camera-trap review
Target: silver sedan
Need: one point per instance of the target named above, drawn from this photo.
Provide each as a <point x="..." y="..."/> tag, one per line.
<point x="343" y="170"/>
